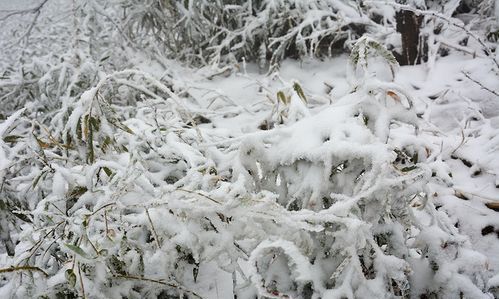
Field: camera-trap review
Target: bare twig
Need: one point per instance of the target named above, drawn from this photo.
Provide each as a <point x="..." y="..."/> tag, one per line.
<point x="81" y="282"/>
<point x="24" y="268"/>
<point x="172" y="285"/>
<point x="35" y="9"/>
<point x="153" y="229"/>
<point x="480" y="84"/>
<point x="106" y="224"/>
<point x="463" y="139"/>
<point x="200" y="194"/>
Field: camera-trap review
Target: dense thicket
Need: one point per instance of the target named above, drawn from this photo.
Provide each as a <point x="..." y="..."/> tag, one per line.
<point x="112" y="188"/>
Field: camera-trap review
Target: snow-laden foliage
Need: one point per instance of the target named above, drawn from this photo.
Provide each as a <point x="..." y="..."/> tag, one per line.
<point x="217" y="31"/>
<point x="226" y="32"/>
<point x="115" y="183"/>
<point x="133" y="201"/>
<point x="362" y="192"/>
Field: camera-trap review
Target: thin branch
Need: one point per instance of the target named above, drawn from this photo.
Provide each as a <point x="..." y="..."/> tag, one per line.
<point x="172" y="285"/>
<point x="81" y="282"/>
<point x="153" y="229"/>
<point x="481" y="85"/>
<point x="102" y="207"/>
<point x="200" y="194"/>
<point x="36" y="11"/>
<point x="463" y="139"/>
<point x="24" y="268"/>
<point x="33" y="10"/>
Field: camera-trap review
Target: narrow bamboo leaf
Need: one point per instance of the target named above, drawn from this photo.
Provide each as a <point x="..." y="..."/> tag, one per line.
<point x="41" y="143"/>
<point x="107" y="171"/>
<point x="79" y="133"/>
<point x="281" y="97"/>
<point x="77" y="191"/>
<point x="300" y="92"/>
<point x="77" y="250"/>
<point x="106" y="143"/>
<point x="37" y="179"/>
<point x="12" y="138"/>
<point x="95" y="122"/>
<point x="408" y="168"/>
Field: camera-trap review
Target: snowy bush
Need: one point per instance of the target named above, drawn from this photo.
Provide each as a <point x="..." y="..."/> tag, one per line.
<point x="226" y="32"/>
<point x="127" y="202"/>
<point x="361" y="192"/>
<point x="215" y="31"/>
<point x="115" y="183"/>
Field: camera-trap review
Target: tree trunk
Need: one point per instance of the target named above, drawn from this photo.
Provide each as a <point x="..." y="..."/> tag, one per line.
<point x="408" y="24"/>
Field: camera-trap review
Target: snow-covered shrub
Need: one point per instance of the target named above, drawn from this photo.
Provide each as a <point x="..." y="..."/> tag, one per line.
<point x="48" y="81"/>
<point x="111" y="188"/>
<point x="214" y="31"/>
<point x="53" y="73"/>
<point x="221" y="32"/>
<point x="78" y="225"/>
<point x="339" y="172"/>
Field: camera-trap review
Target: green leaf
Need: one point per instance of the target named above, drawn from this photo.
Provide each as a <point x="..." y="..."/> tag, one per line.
<point x="89" y="135"/>
<point x="408" y="168"/>
<point x="77" y="191"/>
<point x="127" y="129"/>
<point x="78" y="250"/>
<point x="95" y="122"/>
<point x="117" y="265"/>
<point x="365" y="118"/>
<point x="11" y="138"/>
<point x="79" y="133"/>
<point x="105" y="58"/>
<point x="37" y="179"/>
<point x="282" y="97"/>
<point x="120" y="125"/>
<point x="73" y="195"/>
<point x="86" y="127"/>
<point x="415" y="157"/>
<point x="300" y="92"/>
<point x="106" y="143"/>
<point x="107" y="171"/>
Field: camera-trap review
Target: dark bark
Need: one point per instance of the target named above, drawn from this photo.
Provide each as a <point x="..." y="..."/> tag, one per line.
<point x="409" y="24"/>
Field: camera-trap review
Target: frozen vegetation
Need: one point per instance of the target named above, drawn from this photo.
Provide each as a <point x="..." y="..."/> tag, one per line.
<point x="249" y="149"/>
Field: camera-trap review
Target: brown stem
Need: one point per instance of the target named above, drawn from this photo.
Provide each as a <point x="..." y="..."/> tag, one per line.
<point x="23" y="268"/>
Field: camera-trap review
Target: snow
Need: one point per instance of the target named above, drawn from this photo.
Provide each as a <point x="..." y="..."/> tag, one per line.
<point x="327" y="177"/>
